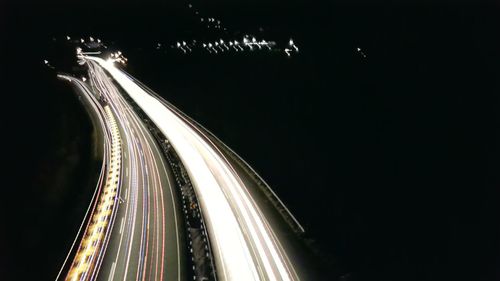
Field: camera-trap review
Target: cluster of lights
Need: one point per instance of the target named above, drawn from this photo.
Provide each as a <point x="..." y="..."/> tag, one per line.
<point x="210" y="23"/>
<point x="185" y="47"/>
<point x="238" y="46"/>
<point x="82" y="40"/>
<point x="90" y="43"/>
<point x="118" y="57"/>
<point x="292" y="48"/>
<point x="221" y="46"/>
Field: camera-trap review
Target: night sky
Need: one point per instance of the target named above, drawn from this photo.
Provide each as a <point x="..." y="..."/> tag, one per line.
<point x="390" y="161"/>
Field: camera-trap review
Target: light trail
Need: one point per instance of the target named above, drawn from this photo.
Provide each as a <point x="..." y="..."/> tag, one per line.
<point x="92" y="244"/>
<point x="244" y="244"/>
<point x="135" y="248"/>
<point x="145" y="243"/>
<point x="143" y="248"/>
<point x="99" y="113"/>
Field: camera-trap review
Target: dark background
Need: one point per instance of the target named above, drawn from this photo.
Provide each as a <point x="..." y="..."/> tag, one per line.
<point x="390" y="161"/>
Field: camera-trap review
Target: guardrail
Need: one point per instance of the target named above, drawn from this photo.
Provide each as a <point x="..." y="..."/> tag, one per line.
<point x="261" y="183"/>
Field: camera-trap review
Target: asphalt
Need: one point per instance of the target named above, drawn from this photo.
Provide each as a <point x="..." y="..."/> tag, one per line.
<point x="252" y="234"/>
<point x="145" y="223"/>
<point x="244" y="241"/>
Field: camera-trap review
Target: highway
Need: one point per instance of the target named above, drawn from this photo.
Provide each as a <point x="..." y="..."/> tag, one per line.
<point x="98" y="217"/>
<point x="144" y="226"/>
<point x="179" y="204"/>
<point x="244" y="244"/>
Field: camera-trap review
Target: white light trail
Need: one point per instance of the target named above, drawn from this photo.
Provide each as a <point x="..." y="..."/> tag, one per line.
<point x="245" y="248"/>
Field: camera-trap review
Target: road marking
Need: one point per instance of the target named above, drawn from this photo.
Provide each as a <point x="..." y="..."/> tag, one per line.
<point x="121" y="226"/>
<point x="112" y="271"/>
<point x="126" y="171"/>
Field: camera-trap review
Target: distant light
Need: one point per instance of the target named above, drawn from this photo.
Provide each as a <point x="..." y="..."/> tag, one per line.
<point x="68" y="38"/>
<point x="45" y="61"/>
<point x="290" y="42"/>
<point x="84" y="79"/>
<point x="210" y="45"/>
<point x="81" y="40"/>
<point x="359" y="49"/>
<point x="178" y="44"/>
<point x="91" y="39"/>
<point x="204" y="45"/>
<point x="190" y="6"/>
<point x="183" y="43"/>
<point x="98" y="40"/>
<point x="222" y="41"/>
<point x="254" y="40"/>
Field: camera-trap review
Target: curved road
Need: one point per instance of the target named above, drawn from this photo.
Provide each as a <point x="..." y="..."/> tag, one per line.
<point x="144" y="236"/>
<point x="146" y="222"/>
<point x="244" y="244"/>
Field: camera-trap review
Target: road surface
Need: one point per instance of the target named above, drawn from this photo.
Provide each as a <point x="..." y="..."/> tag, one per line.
<point x="144" y="237"/>
<point x="145" y="224"/>
<point x="244" y="244"/>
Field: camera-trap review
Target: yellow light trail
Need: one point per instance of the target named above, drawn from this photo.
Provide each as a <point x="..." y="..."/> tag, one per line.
<point x="87" y="254"/>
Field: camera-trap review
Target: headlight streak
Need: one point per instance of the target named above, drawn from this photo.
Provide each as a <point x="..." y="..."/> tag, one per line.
<point x="208" y="136"/>
<point x="88" y="269"/>
<point x="91" y="247"/>
<point x="92" y="102"/>
<point x="234" y="221"/>
<point x="151" y="259"/>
